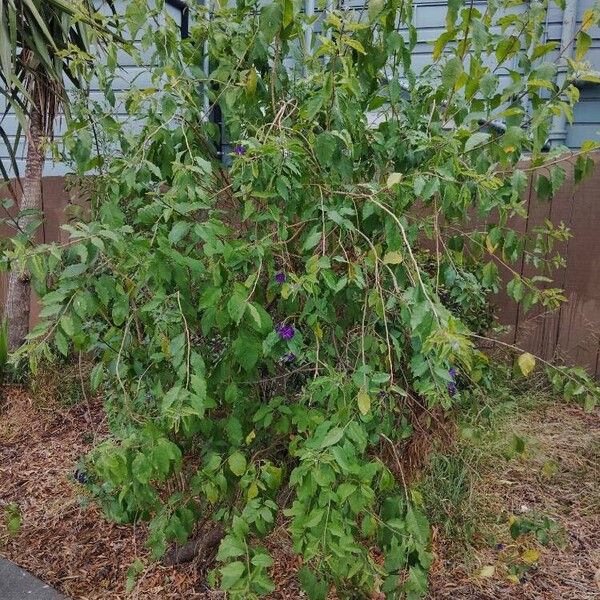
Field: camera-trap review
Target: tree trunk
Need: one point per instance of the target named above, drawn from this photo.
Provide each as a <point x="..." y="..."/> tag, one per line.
<point x="18" y="295"/>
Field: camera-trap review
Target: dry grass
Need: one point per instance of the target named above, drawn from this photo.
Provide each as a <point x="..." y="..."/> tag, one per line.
<point x="558" y="476"/>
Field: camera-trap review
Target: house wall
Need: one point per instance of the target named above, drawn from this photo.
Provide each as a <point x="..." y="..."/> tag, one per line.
<point x="129" y="75"/>
<point x="429" y="18"/>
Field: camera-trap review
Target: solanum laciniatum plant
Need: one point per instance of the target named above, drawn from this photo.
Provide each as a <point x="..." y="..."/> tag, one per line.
<point x="269" y="327"/>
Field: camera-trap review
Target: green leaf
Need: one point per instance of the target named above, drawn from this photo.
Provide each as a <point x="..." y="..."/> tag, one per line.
<point x="375" y="8"/>
<point x="557" y="177"/>
<point x="477" y="139"/>
<point x="237" y="463"/>
<point x="417" y="525"/>
<point x="178" y="231"/>
<point x="333" y="436"/>
<point x="314" y="589"/>
<point x="120" y="309"/>
<point x="247" y="350"/>
<point x="66" y="322"/>
<point x="313" y="238"/>
<point x="271" y="20"/>
<point x="236" y="307"/>
<point x="73" y="270"/>
<point x="61" y="343"/>
<point x="325" y="146"/>
<point x="515" y="289"/>
<point x="263" y="560"/>
<point x="452" y="72"/>
<point x="231" y="574"/>
<point x="96" y="376"/>
<point x="141" y="468"/>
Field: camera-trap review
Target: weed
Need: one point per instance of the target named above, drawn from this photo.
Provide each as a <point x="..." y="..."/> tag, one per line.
<point x="446" y="486"/>
<point x="60" y="379"/>
<point x="12" y="518"/>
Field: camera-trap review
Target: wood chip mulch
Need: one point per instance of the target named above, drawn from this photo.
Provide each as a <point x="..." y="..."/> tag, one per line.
<point x="65" y="540"/>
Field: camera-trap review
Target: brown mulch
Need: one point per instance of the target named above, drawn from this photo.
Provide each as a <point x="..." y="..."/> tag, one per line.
<point x="66" y="541"/>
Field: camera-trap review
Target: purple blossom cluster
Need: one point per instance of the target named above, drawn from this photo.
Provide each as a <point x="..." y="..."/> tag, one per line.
<point x="452" y="385"/>
<point x="239" y="150"/>
<point x="286" y="332"/>
<point x="280" y="277"/>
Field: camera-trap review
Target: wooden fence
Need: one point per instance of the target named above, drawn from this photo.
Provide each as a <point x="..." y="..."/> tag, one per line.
<point x="571" y="334"/>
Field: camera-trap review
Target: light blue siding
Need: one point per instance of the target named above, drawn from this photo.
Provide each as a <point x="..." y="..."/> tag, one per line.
<point x="129" y="74"/>
<point x="429" y="18"/>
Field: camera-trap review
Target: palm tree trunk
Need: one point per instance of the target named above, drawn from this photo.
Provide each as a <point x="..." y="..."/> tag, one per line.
<point x="18" y="297"/>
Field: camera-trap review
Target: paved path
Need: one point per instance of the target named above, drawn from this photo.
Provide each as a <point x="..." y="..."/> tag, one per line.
<point x="17" y="584"/>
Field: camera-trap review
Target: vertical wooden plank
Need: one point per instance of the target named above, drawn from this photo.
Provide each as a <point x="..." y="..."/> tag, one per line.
<point x="562" y="210"/>
<point x="537" y="329"/>
<point x="507" y="309"/>
<point x="528" y="324"/>
<point x="54" y="201"/>
<point x="578" y="334"/>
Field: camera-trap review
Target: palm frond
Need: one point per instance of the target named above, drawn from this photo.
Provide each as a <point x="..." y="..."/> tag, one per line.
<point x="38" y="39"/>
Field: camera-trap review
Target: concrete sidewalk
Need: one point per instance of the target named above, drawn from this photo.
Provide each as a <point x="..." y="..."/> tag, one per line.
<point x="17" y="584"/>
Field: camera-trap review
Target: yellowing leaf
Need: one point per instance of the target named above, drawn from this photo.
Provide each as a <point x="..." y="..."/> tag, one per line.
<point x="487" y="571"/>
<point x="353" y="44"/>
<point x="251" y="82"/>
<point x="318" y="331"/>
<point x="530" y="557"/>
<point x="512" y="578"/>
<point x="392" y="258"/>
<point x="590" y="16"/>
<point x="250" y="437"/>
<point x="491" y="247"/>
<point x="364" y="401"/>
<point x="526" y="363"/>
<point x="393" y="179"/>
<point x="252" y="491"/>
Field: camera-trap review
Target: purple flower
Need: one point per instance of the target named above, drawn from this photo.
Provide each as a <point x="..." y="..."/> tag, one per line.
<point x="239" y="150"/>
<point x="280" y="277"/>
<point x="499" y="547"/>
<point x="286" y="332"/>
<point x="80" y="476"/>
<point x="452" y="373"/>
<point x="452" y="389"/>
<point x="290" y="357"/>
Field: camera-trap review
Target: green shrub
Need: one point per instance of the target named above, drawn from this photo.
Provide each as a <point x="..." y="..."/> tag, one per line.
<point x="274" y="323"/>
